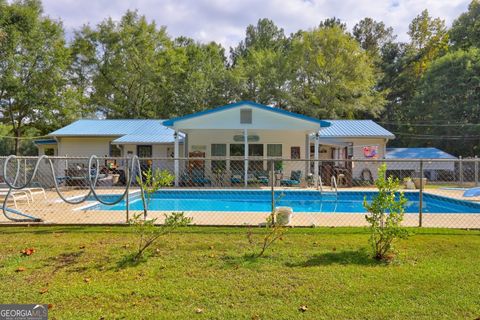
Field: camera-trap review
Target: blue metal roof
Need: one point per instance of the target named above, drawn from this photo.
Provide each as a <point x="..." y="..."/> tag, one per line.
<point x="171" y="122"/>
<point x="417" y="153"/>
<point x="45" y="141"/>
<point x="355" y="129"/>
<point x="153" y="133"/>
<point x="127" y="130"/>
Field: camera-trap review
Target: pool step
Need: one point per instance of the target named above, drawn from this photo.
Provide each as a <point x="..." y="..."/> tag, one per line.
<point x="332" y="195"/>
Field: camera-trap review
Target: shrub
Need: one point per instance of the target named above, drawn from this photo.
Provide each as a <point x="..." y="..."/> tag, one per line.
<point x="385" y="215"/>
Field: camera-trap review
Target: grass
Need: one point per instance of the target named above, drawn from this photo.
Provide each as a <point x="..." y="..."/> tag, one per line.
<point x="204" y="273"/>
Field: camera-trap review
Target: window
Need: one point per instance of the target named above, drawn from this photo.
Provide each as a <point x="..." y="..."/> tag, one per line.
<point x="245" y="115"/>
<point x="274" y="150"/>
<point x="49" y="151"/>
<point x="219" y="150"/>
<point x="255" y="150"/>
<point x="237" y="150"/>
<point x="115" y="151"/>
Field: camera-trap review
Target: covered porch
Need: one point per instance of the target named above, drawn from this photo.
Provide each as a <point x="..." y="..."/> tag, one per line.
<point x="245" y="142"/>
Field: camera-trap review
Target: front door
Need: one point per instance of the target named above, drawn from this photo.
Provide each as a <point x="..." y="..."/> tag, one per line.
<point x="145" y="151"/>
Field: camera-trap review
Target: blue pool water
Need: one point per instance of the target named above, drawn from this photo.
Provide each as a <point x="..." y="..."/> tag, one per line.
<point x="300" y="201"/>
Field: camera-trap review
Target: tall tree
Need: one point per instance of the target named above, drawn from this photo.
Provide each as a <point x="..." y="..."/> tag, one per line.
<point x="260" y="67"/>
<point x="456" y="108"/>
<point x="373" y="35"/>
<point x="404" y="64"/>
<point x="120" y="61"/>
<point x="33" y="62"/>
<point x="333" y="76"/>
<point x="265" y="35"/>
<point x="196" y="77"/>
<point x="132" y="69"/>
<point x="465" y="31"/>
<point x="333" y="22"/>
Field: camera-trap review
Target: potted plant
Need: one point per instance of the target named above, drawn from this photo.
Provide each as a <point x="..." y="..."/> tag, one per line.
<point x="278" y="170"/>
<point x="416" y="181"/>
<point x="283" y="215"/>
<point x="409" y="183"/>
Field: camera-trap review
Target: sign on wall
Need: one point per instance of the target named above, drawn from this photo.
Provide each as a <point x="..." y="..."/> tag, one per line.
<point x="250" y="138"/>
<point x="370" y="152"/>
<point x="198" y="148"/>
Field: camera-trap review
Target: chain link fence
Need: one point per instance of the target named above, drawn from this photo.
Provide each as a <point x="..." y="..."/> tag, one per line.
<point x="236" y="191"/>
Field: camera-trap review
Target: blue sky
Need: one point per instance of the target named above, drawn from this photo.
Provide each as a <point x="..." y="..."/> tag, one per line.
<point x="225" y="21"/>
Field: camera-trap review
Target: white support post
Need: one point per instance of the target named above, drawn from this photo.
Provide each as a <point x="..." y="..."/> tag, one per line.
<point x="307" y="155"/>
<point x="315" y="157"/>
<point x="176" y="155"/>
<point x="245" y="169"/>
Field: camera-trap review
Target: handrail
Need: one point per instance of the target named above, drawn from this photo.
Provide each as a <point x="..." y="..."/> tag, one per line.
<point x="333" y="183"/>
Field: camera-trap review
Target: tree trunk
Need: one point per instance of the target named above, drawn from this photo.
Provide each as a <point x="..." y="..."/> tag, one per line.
<point x="17" y="141"/>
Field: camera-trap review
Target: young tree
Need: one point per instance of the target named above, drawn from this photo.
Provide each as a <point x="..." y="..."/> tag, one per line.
<point x="385" y="215"/>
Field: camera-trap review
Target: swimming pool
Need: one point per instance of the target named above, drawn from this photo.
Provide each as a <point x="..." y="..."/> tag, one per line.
<point x="301" y="201"/>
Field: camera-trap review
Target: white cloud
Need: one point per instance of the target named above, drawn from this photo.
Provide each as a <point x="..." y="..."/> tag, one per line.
<point x="225" y="21"/>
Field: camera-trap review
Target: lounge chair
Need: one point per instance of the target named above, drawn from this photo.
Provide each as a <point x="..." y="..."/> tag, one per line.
<point x="195" y="178"/>
<point x="294" y="180"/>
<point x="473" y="192"/>
<point x="252" y="178"/>
<point x="15" y="195"/>
<point x="262" y="177"/>
<point x="35" y="189"/>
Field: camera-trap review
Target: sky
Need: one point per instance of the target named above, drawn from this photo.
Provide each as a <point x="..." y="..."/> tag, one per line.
<point x="225" y="21"/>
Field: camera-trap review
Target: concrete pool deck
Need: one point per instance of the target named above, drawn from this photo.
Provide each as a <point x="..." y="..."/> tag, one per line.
<point x="54" y="211"/>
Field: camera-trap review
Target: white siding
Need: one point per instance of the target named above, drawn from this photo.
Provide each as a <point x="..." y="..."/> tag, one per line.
<point x="84" y="147"/>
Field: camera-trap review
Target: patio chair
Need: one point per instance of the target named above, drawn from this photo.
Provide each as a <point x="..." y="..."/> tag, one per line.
<point x="196" y="178"/>
<point x="294" y="180"/>
<point x="262" y="177"/>
<point x="35" y="189"/>
<point x="15" y="196"/>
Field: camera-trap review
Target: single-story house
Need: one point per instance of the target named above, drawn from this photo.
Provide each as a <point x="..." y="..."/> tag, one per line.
<point x="244" y="134"/>
<point x="433" y="170"/>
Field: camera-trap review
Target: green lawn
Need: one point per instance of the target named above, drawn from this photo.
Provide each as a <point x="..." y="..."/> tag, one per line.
<point x="79" y="270"/>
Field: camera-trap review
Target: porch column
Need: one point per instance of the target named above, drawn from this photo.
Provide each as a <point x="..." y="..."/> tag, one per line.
<point x="307" y="155"/>
<point x="176" y="155"/>
<point x="245" y="169"/>
<point x="315" y="157"/>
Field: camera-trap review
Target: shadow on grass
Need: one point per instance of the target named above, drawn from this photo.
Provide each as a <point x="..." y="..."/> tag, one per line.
<point x="352" y="257"/>
<point x="129" y="261"/>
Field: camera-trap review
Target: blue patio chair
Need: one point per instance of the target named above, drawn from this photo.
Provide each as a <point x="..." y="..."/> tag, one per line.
<point x="194" y="178"/>
<point x="294" y="180"/>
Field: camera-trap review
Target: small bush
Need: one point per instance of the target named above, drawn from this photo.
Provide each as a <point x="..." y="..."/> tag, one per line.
<point x="146" y="229"/>
<point x="386" y="213"/>
<point x="274" y="230"/>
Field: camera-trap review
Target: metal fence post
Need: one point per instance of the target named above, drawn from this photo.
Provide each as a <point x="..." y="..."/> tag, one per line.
<point x="460" y="168"/>
<point x="127" y="196"/>
<point x="476" y="171"/>
<point x="420" y="197"/>
<point x="272" y="179"/>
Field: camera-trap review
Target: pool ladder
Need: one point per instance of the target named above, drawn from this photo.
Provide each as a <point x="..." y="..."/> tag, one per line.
<point x="332" y="194"/>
